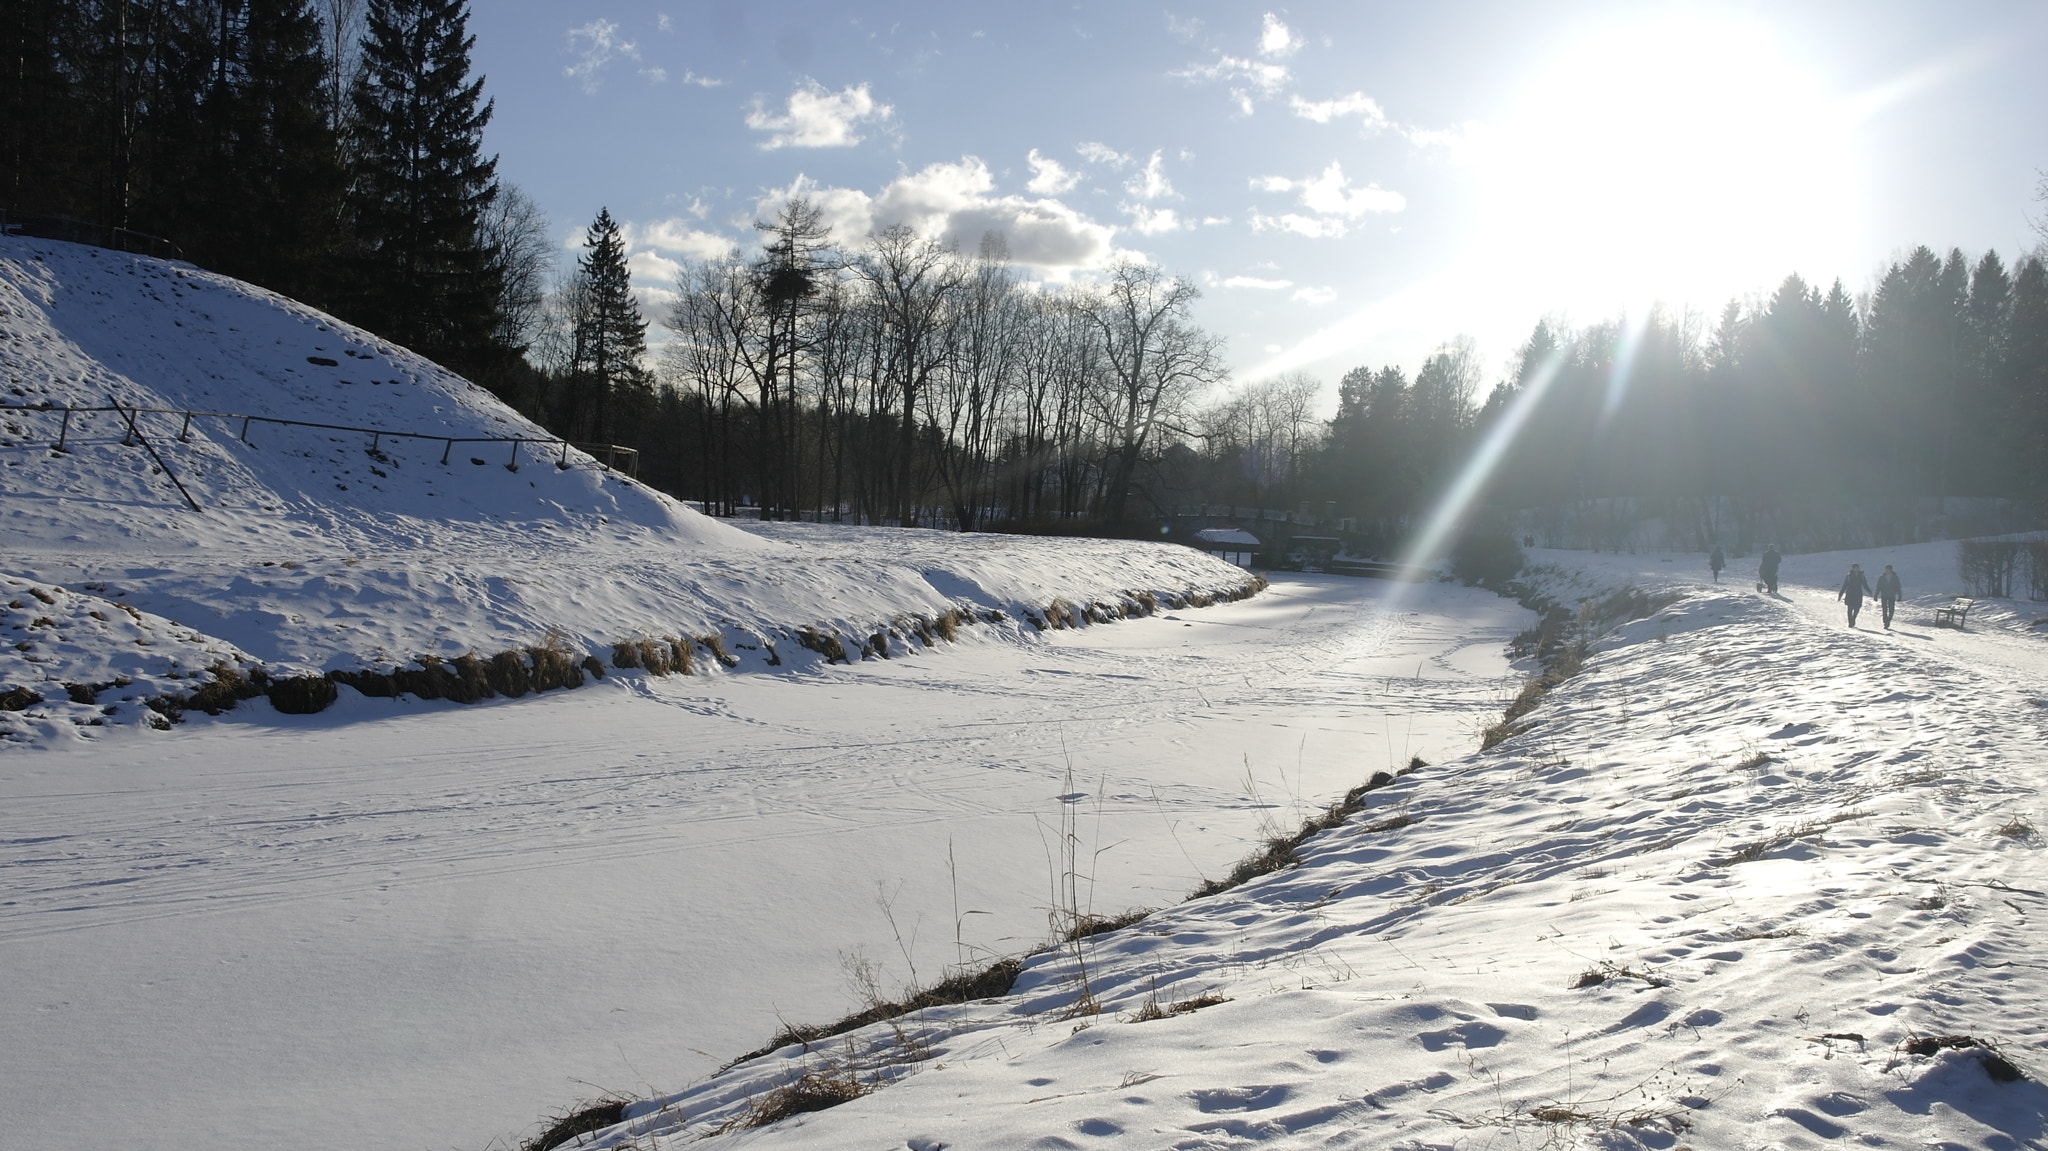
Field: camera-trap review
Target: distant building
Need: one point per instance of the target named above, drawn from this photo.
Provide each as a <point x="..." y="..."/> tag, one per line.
<point x="1232" y="545"/>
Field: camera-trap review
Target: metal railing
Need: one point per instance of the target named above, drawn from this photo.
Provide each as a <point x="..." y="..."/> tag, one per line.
<point x="73" y="230"/>
<point x="614" y="457"/>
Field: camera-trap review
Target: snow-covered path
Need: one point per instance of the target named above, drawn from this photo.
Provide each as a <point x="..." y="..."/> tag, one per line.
<point x="400" y="924"/>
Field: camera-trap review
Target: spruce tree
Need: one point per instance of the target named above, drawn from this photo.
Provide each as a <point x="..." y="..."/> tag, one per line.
<point x="605" y="372"/>
<point x="244" y="172"/>
<point x="422" y="274"/>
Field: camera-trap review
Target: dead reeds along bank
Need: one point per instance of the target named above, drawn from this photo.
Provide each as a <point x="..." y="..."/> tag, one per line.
<point x="555" y="665"/>
<point x="1561" y="641"/>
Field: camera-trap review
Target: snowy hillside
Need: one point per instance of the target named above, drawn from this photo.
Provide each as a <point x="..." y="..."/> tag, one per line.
<point x="1750" y="879"/>
<point x="432" y="534"/>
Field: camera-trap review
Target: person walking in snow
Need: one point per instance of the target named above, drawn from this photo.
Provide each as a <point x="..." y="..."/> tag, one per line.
<point x="1717" y="561"/>
<point x="1854" y="588"/>
<point x="1888" y="594"/>
<point x="1769" y="568"/>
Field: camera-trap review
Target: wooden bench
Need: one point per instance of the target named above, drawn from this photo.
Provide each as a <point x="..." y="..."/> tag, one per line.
<point x="1955" y="614"/>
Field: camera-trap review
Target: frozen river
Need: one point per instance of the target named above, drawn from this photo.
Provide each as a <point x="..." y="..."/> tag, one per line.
<point x="418" y="925"/>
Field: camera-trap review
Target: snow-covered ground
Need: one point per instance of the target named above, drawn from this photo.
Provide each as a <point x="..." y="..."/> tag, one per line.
<point x="318" y="549"/>
<point x="421" y="925"/>
<point x="1707" y="900"/>
<point x="417" y="924"/>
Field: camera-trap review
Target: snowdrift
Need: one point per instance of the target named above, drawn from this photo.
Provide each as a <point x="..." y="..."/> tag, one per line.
<point x="430" y="535"/>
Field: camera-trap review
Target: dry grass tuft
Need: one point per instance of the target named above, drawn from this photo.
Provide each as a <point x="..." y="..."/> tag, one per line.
<point x="963" y="987"/>
<point x="825" y="643"/>
<point x="595" y="1117"/>
<point x="816" y="1091"/>
<point x="1086" y="926"/>
<point x="2018" y="827"/>
<point x="1499" y="733"/>
<point x="302" y="694"/>
<point x="715" y="644"/>
<point x="1278" y="852"/>
<point x="1606" y="970"/>
<point x="1152" y="1009"/>
<point x="554" y="665"/>
<point x="509" y="675"/>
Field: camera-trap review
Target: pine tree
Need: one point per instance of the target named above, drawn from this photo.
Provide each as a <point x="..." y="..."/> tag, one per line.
<point x="610" y="338"/>
<point x="2023" y="406"/>
<point x="47" y="161"/>
<point x="422" y="273"/>
<point x="244" y="172"/>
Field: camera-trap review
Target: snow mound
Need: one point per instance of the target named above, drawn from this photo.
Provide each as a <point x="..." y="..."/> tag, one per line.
<point x="92" y="328"/>
<point x="338" y="503"/>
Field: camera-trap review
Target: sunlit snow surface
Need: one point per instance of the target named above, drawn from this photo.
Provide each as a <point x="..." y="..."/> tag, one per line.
<point x="404" y="924"/>
<point x="421" y="925"/>
<point x="1770" y="935"/>
<point x="316" y="549"/>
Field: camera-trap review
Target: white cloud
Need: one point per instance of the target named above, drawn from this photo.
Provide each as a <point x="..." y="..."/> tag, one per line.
<point x="1254" y="282"/>
<point x="662" y="22"/>
<point x="1096" y="152"/>
<point x="654" y="280"/>
<point x="956" y="202"/>
<point x="1049" y="177"/>
<point x="1275" y="39"/>
<point x="596" y="45"/>
<point x="1332" y="199"/>
<point x="1150" y="184"/>
<point x="1151" y="221"/>
<point x="1246" y="78"/>
<point x="816" y="118"/>
<point x="1314" y="295"/>
<point x="1183" y="30"/>
<point x="1265" y="78"/>
<point x="1311" y="227"/>
<point x="1329" y="195"/>
<point x="1462" y="142"/>
<point x="675" y="235"/>
<point x="1357" y="104"/>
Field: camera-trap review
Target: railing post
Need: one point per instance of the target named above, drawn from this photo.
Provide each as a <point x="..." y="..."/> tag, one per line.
<point x="564" y="461"/>
<point x="514" y="465"/>
<point x="64" y="431"/>
<point x="376" y="441"/>
<point x="185" y="432"/>
<point x="245" y="429"/>
<point x="445" y="449"/>
<point x="127" y="441"/>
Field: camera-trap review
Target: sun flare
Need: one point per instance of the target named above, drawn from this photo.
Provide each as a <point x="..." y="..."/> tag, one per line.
<point x="1680" y="161"/>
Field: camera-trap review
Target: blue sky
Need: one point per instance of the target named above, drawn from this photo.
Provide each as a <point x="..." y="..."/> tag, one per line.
<point x="1349" y="183"/>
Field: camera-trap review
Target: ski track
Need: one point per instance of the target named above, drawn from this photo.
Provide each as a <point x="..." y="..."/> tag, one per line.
<point x="255" y="836"/>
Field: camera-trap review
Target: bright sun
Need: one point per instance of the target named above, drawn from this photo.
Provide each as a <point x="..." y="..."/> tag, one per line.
<point x="1683" y="161"/>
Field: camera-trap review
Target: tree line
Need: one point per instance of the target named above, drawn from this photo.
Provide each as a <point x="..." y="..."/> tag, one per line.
<point x="901" y="381"/>
<point x="331" y="151"/>
<point x="1808" y="412"/>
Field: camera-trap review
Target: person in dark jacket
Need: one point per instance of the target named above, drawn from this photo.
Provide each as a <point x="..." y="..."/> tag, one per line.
<point x="1769" y="568"/>
<point x="1854" y="588"/>
<point x="1888" y="593"/>
<point x="1717" y="561"/>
